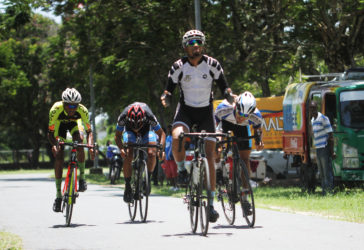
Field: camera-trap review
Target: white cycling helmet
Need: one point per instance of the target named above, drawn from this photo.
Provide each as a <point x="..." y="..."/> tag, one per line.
<point x="71" y="95"/>
<point x="245" y="103"/>
<point x="191" y="35"/>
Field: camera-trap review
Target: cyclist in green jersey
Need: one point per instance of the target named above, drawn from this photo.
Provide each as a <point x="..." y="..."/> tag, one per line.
<point x="63" y="117"/>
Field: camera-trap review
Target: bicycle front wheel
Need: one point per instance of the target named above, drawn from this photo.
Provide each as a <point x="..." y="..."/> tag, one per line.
<point x="192" y="196"/>
<point x="70" y="197"/>
<point x="224" y="195"/>
<point x="133" y="205"/>
<point x="247" y="197"/>
<point x="143" y="191"/>
<point x="204" y="195"/>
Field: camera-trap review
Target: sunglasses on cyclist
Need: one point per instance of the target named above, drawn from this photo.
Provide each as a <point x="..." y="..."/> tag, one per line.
<point x="242" y="114"/>
<point x="72" y="106"/>
<point x="194" y="42"/>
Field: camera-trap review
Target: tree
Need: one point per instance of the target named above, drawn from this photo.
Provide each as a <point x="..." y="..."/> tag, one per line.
<point x="332" y="30"/>
<point x="24" y="86"/>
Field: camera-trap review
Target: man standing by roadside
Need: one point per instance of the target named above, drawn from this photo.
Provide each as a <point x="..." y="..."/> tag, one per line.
<point x="324" y="144"/>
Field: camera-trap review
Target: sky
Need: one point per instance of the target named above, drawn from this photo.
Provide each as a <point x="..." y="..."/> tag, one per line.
<point x="50" y="15"/>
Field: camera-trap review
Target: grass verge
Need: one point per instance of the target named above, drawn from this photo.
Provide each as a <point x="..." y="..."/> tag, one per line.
<point x="10" y="241"/>
<point x="346" y="205"/>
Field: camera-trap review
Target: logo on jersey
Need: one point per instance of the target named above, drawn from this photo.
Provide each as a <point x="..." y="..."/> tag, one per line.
<point x="187" y="78"/>
<point x="204" y="76"/>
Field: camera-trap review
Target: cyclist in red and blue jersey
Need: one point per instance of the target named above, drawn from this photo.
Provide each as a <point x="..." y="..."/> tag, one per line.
<point x="137" y="119"/>
<point x="195" y="74"/>
<point x="65" y="116"/>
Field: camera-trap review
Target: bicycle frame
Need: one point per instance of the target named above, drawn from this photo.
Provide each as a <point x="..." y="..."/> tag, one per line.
<point x="70" y="185"/>
<point x="236" y="190"/>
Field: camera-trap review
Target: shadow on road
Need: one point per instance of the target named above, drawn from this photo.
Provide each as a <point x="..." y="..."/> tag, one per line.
<point x="140" y="222"/>
<point x="235" y="227"/>
<point x="196" y="234"/>
<point x="72" y="226"/>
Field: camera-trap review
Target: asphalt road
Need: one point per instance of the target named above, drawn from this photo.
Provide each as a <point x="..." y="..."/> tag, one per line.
<point x="101" y="221"/>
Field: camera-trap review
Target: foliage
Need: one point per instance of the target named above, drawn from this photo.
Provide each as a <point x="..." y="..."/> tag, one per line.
<point x="125" y="49"/>
<point x="24" y="84"/>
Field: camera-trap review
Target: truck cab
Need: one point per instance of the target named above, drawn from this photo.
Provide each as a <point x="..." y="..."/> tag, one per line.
<point x="333" y="98"/>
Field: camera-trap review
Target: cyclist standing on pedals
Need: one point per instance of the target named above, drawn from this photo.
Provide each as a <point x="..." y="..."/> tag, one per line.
<point x="63" y="117"/>
<point x="195" y="74"/>
<point x="138" y="119"/>
<point x="238" y="117"/>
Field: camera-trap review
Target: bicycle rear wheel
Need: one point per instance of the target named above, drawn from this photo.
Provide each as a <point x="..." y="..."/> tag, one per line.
<point x="247" y="197"/>
<point x="133" y="205"/>
<point x="143" y="191"/>
<point x="204" y="195"/>
<point x="192" y="193"/>
<point x="70" y="197"/>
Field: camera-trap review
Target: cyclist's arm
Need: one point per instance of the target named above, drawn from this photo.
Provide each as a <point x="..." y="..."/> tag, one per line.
<point x="162" y="136"/>
<point x="90" y="138"/>
<point x="222" y="83"/>
<point x="51" y="138"/>
<point x="54" y="112"/>
<point x="118" y="139"/>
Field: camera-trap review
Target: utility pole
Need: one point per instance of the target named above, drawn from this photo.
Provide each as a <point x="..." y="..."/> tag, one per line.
<point x="95" y="169"/>
<point x="197" y="15"/>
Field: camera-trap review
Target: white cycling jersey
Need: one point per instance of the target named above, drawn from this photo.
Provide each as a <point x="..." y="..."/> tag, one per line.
<point x="196" y="81"/>
<point x="225" y="111"/>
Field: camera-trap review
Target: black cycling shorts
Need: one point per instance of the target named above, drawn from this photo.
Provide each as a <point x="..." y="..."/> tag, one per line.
<point x="239" y="131"/>
<point x="189" y="116"/>
<point x="72" y="127"/>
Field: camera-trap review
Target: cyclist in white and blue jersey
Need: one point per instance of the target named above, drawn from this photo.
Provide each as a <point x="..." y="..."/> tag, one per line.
<point x="238" y="117"/>
<point x="137" y="119"/>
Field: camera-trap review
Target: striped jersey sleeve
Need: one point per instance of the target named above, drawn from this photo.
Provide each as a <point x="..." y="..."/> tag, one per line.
<point x="321" y="128"/>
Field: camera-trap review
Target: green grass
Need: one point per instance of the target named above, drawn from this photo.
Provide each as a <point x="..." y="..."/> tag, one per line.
<point x="347" y="205"/>
<point x="10" y="241"/>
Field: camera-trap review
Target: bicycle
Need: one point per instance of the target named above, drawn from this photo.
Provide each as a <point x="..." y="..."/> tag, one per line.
<point x="198" y="190"/>
<point x="139" y="180"/>
<point x="230" y="188"/>
<point x="69" y="192"/>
